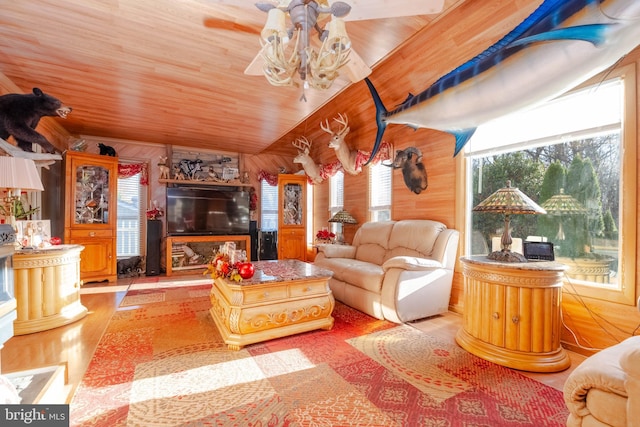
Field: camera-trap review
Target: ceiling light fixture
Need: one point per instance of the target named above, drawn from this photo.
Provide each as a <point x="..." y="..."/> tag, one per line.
<point x="288" y="53"/>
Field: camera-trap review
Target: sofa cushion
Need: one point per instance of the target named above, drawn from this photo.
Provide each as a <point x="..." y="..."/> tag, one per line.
<point x="411" y="263"/>
<point x="337" y="251"/>
<point x="371" y="240"/>
<point x="608" y="408"/>
<point x="414" y="238"/>
<point x="355" y="272"/>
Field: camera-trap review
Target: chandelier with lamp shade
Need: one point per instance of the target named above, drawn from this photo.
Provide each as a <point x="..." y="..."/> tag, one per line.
<point x="288" y="54"/>
<point x="292" y="55"/>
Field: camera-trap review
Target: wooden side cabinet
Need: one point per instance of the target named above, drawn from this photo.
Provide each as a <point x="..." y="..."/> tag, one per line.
<point x="512" y="313"/>
<point x="47" y="287"/>
<point x="90" y="213"/>
<point x="292" y="218"/>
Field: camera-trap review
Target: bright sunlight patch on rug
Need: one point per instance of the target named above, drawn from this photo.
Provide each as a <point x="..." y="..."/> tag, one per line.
<point x="164" y="364"/>
<point x="416" y="358"/>
<point x="142" y="298"/>
<point x="140" y="285"/>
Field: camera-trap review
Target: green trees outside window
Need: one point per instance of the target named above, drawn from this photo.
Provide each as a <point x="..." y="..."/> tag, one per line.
<point x="586" y="172"/>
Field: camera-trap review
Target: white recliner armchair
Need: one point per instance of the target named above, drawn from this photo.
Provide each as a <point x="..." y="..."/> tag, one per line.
<point x="604" y="390"/>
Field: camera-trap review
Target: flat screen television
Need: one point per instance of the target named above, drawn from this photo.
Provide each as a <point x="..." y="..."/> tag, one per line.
<point x="195" y="211"/>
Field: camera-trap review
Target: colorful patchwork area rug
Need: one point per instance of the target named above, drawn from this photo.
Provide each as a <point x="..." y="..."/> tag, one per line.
<point x="163" y="363"/>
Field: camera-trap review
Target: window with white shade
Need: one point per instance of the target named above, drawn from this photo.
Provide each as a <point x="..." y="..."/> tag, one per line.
<point x="336" y="197"/>
<point x="380" y="192"/>
<point x="268" y="206"/>
<point x="131" y="214"/>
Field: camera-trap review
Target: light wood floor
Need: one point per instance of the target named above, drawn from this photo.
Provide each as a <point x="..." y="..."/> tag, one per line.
<point x="74" y="344"/>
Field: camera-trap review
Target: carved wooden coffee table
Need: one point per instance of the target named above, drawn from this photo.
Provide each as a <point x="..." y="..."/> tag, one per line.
<point x="284" y="297"/>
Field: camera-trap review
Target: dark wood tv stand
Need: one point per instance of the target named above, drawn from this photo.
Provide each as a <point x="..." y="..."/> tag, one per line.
<point x="179" y="261"/>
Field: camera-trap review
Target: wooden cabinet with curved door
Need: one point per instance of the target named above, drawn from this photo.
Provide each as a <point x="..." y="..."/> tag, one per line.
<point x="292" y="218"/>
<point x="91" y="184"/>
<point x="512" y="313"/>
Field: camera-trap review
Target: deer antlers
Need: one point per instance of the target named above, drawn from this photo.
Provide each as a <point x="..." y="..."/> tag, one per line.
<point x="346" y="156"/>
<point x="310" y="167"/>
<point x="302" y="144"/>
<point x="341" y="120"/>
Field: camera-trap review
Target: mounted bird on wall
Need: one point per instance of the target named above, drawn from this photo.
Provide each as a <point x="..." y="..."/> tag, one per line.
<point x="560" y="45"/>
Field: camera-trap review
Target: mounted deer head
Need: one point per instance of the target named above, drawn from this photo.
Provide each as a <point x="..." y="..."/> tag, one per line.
<point x="310" y="167"/>
<point x="346" y="156"/>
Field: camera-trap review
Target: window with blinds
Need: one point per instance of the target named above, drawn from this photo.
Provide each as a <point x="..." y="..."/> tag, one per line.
<point x="380" y="192"/>
<point x="336" y="197"/>
<point x="268" y="206"/>
<point x="131" y="213"/>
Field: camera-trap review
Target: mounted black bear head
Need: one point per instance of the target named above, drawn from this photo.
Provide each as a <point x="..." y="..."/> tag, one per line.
<point x="21" y="113"/>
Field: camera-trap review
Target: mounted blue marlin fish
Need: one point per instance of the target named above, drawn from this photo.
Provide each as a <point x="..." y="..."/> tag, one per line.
<point x="561" y="44"/>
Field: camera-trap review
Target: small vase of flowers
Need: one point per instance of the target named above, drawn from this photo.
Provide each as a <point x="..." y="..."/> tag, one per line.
<point x="229" y="264"/>
<point x="220" y="266"/>
<point x="325" y="236"/>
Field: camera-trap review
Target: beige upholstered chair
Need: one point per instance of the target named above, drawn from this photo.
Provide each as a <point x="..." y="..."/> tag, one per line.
<point x="605" y="389"/>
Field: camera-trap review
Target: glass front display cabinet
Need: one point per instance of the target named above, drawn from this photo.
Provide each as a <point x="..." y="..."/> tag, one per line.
<point x="90" y="212"/>
<point x="292" y="220"/>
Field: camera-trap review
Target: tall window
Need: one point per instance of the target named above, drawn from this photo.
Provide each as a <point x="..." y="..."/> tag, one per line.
<point x="380" y="192"/>
<point x="309" y="216"/>
<point x="570" y="149"/>
<point x="131" y="212"/>
<point x="336" y="198"/>
<point x="268" y="206"/>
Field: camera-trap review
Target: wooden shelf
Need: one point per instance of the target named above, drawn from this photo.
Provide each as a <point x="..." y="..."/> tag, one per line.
<point x="212" y="183"/>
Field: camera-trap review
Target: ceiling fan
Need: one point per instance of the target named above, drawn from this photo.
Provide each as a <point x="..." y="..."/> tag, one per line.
<point x="289" y="53"/>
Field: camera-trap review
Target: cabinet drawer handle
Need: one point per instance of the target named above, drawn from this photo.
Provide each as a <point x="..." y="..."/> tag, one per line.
<point x="515" y="319"/>
<point x="496" y="315"/>
<point x="92" y="234"/>
<point x="308" y="288"/>
<point x="266" y="294"/>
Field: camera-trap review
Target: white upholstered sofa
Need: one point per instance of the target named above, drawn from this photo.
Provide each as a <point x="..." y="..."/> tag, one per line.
<point x="604" y="390"/>
<point x="395" y="270"/>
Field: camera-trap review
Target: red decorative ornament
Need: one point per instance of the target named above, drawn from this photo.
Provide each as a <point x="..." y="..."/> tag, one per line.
<point x="246" y="270"/>
<point x="221" y="267"/>
<point x="55" y="240"/>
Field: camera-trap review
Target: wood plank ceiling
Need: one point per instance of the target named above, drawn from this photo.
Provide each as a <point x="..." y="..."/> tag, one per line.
<point x="149" y="70"/>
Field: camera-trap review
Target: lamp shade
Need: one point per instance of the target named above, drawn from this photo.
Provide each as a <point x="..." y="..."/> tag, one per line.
<point x="343" y="217"/>
<point x="19" y="173"/>
<point x="275" y="26"/>
<point x="509" y="200"/>
<point x="563" y="204"/>
<point x="337" y="38"/>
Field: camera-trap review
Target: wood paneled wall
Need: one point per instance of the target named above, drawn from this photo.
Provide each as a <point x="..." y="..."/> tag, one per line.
<point x="452" y="40"/>
<point x="448" y="43"/>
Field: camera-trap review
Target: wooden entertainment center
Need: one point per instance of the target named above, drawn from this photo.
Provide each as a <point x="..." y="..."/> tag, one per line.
<point x="192" y="253"/>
